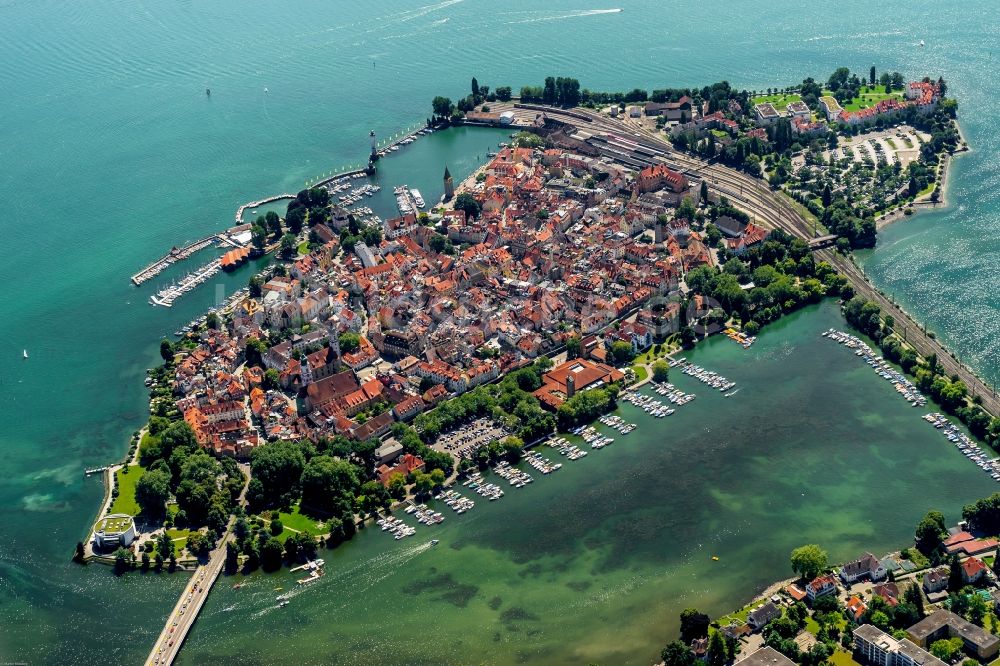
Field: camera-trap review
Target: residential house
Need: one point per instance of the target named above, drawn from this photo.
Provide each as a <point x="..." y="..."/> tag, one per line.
<point x="856" y="607"/>
<point x="935" y="580"/>
<point x="973" y="569"/>
<point x="407" y="464"/>
<point x="866" y="566"/>
<point x="820" y="587"/>
<point x="765" y="656"/>
<point x="758" y="618"/>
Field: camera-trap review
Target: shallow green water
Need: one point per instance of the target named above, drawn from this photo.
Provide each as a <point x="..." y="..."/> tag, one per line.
<point x="113" y="153"/>
<point x="594" y="562"/>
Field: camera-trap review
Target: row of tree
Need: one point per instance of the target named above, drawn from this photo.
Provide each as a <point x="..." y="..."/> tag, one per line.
<point x="949" y="392"/>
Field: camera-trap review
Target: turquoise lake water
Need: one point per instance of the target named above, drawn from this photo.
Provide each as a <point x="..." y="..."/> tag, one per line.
<point x="113" y="153"/>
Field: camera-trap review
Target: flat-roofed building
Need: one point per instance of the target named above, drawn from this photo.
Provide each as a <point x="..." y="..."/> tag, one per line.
<point x="874" y="647"/>
<point x="978" y="642"/>
<point x="766" y="656"/>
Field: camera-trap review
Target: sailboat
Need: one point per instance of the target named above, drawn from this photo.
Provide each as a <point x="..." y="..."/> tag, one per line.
<point x="921" y="42"/>
<point x="25" y="352"/>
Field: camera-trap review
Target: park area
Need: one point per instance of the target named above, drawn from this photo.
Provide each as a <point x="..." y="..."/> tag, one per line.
<point x="125" y="480"/>
<point x="868" y="96"/>
<point x="779" y="101"/>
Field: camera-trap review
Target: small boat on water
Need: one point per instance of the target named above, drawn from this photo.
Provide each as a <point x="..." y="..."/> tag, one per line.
<point x="25" y="352"/>
<point x="434" y="542"/>
<point x="282" y="604"/>
<point x="715" y="558"/>
<point x="238" y="586"/>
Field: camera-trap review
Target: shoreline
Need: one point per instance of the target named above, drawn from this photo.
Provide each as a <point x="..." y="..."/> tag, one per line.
<point x="923" y="203"/>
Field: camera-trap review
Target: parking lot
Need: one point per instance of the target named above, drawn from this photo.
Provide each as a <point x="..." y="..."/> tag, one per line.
<point x="899" y="144"/>
<point x="466" y="440"/>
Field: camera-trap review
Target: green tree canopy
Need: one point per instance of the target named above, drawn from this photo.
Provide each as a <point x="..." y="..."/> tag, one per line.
<point x="694" y="624"/>
<point x="466" y="202"/>
<point x="152" y="491"/>
<point x="329" y="485"/>
<point x="677" y="653"/>
<point x="661" y="370"/>
<point x="808" y="560"/>
<point x="278" y="467"/>
<point x="930" y="532"/>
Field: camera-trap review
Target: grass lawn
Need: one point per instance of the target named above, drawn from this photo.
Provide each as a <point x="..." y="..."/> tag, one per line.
<point x="842" y="658"/>
<point x="918" y="558"/>
<point x="739" y="616"/>
<point x="779" y="102"/>
<point x="812" y="626"/>
<point x="868" y="97"/>
<point x="125" y="502"/>
<point x="180" y="539"/>
<point x="300" y="522"/>
<point x="892" y="144"/>
<point x="640" y="373"/>
<point x="304" y="247"/>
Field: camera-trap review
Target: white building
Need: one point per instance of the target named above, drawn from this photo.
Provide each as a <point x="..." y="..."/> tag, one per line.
<point x="113" y="531"/>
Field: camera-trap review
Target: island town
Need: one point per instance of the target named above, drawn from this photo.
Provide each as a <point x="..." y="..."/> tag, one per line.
<point x="384" y="370"/>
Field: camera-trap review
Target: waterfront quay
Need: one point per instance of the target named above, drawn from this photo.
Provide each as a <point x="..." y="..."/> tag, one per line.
<point x="773" y="209"/>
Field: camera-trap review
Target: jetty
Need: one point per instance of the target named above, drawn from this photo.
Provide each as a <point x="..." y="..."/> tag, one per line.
<point x="175" y="255"/>
<point x="405" y="138"/>
<point x="260" y="202"/>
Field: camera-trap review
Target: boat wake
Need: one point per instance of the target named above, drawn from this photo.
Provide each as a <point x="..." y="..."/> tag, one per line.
<point x="425" y="10"/>
<point x="577" y="14"/>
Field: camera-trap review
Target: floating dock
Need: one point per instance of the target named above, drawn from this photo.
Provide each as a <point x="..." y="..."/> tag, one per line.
<point x="166" y="297"/>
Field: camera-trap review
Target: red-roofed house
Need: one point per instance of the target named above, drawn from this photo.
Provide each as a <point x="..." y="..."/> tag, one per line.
<point x="408" y="463"/>
<point x="973" y="569"/>
<point x="820" y="587"/>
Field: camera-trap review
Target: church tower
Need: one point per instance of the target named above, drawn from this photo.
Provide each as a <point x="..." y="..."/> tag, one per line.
<point x="449" y="185"/>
